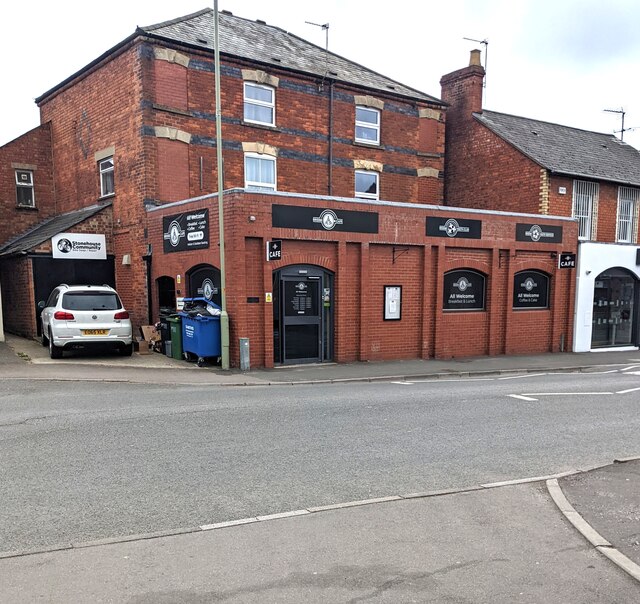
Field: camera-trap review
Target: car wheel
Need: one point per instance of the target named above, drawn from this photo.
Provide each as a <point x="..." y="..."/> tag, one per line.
<point x="126" y="350"/>
<point x="55" y="352"/>
<point x="44" y="340"/>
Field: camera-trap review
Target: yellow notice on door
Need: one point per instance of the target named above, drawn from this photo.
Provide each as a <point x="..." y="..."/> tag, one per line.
<point x="268" y="297"/>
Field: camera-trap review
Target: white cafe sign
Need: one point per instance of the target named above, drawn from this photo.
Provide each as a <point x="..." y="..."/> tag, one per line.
<point x="74" y="246"/>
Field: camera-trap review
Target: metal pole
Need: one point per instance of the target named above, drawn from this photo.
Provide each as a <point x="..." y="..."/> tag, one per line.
<point x="224" y="317"/>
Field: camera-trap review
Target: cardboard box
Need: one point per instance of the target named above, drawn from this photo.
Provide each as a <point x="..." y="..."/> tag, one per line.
<point x="142" y="346"/>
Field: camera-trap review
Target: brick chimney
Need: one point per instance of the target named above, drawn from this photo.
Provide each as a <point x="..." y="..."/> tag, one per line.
<point x="462" y="91"/>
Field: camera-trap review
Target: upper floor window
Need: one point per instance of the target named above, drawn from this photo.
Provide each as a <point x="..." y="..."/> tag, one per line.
<point x="367" y="125"/>
<point x="259" y="172"/>
<point x="259" y="104"/>
<point x="628" y="198"/>
<point x="585" y="203"/>
<point x="24" y="188"/>
<point x="106" y="177"/>
<point x="367" y="184"/>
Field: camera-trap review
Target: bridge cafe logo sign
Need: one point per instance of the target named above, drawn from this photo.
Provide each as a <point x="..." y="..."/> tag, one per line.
<point x="538" y="234"/>
<point x="186" y="231"/>
<point x="452" y="227"/>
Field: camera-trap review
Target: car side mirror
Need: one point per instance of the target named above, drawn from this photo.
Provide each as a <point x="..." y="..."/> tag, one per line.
<point x="41" y="304"/>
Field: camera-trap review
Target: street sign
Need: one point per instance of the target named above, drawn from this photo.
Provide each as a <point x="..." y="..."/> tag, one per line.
<point x="567" y="260"/>
<point x="274" y="250"/>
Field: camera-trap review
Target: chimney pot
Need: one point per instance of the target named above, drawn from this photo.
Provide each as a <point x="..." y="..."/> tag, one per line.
<point x="475" y="58"/>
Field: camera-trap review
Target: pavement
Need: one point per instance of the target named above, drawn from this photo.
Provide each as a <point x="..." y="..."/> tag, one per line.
<point x="567" y="538"/>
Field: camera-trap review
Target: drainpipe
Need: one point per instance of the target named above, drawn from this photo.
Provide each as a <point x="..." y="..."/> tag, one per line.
<point x="147" y="258"/>
<point x="330" y="187"/>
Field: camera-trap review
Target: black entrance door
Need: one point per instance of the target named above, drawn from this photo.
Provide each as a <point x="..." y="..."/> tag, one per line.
<point x="302" y="314"/>
<point x="301" y="319"/>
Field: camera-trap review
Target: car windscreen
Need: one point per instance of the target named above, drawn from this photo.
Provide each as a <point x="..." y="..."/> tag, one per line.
<point x="90" y="301"/>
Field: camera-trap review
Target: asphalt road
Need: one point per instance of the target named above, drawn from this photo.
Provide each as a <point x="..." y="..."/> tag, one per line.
<point x="83" y="461"/>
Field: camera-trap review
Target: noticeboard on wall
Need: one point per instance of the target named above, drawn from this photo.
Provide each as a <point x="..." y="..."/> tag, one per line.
<point x="392" y="302"/>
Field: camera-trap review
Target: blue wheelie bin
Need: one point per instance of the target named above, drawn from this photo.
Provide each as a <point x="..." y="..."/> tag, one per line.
<point x="201" y="329"/>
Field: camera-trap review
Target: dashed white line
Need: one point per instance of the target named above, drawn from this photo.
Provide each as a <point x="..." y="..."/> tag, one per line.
<point x="522" y="397"/>
<point x="627" y="391"/>
<point x="565" y="393"/>
<point x="519" y="377"/>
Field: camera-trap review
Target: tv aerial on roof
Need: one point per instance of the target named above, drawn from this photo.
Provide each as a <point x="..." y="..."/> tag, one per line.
<point x="325" y="27"/>
<point x="484" y="42"/>
<point x="622" y="130"/>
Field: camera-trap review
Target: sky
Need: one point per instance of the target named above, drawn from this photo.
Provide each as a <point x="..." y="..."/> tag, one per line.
<point x="561" y="61"/>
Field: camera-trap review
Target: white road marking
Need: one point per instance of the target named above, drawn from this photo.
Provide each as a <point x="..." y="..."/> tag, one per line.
<point x="403" y="383"/>
<point x="522" y="397"/>
<point x="632" y="373"/>
<point x="564" y="393"/>
<point x="630" y="367"/>
<point x="519" y="377"/>
<point x="453" y="380"/>
<point x="627" y="391"/>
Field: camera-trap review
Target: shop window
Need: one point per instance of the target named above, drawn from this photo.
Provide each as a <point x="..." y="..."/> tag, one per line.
<point x="259" y="104"/>
<point x="24" y="189"/>
<point x="105" y="168"/>
<point x="259" y="172"/>
<point x="463" y="290"/>
<point x="585" y="201"/>
<point x="367" y="126"/>
<point x="627" y="208"/>
<point x="367" y="183"/>
<point x="530" y="290"/>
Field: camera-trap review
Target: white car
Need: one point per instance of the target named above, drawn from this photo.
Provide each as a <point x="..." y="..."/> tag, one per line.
<point x="85" y="316"/>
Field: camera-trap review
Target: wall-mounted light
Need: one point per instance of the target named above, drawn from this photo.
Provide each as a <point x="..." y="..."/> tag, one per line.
<point x="252" y="218"/>
<point x="126" y="260"/>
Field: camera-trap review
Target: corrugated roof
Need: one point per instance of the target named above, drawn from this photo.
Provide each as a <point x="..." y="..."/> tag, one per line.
<point x="257" y="41"/>
<point x="47" y="229"/>
<point x="566" y="150"/>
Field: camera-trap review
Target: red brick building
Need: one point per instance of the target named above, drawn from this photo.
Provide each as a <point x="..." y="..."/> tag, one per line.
<point x="307" y="136"/>
<point x="504" y="162"/>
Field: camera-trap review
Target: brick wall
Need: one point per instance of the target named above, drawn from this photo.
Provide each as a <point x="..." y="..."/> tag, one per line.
<point x="31" y="151"/>
<point x="18" y="307"/>
<point x="400" y="254"/>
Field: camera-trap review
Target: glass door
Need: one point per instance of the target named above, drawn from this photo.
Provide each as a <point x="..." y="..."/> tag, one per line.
<point x="613" y="309"/>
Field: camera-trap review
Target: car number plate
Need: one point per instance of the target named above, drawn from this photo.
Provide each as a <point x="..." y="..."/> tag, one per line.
<point x="95" y="332"/>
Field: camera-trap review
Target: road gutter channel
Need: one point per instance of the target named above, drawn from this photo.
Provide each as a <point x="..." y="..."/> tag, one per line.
<point x="551" y="479"/>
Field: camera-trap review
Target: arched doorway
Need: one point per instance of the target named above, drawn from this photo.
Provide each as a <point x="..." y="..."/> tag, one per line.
<point x="203" y="281"/>
<point x="614" y="309"/>
<point x="303" y="301"/>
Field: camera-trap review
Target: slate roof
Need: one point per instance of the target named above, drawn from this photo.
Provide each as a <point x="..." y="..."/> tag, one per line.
<point x="257" y="41"/>
<point x="565" y="150"/>
<point x="47" y="229"/>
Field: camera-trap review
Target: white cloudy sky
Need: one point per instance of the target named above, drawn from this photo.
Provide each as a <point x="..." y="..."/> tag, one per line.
<point x="562" y="61"/>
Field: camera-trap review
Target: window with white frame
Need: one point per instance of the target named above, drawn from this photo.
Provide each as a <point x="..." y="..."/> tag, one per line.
<point x="105" y="167"/>
<point x="585" y="200"/>
<point x="367" y="184"/>
<point x="628" y="198"/>
<point x="259" y="104"/>
<point x="367" y="125"/>
<point x="24" y="189"/>
<point x="259" y="172"/>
